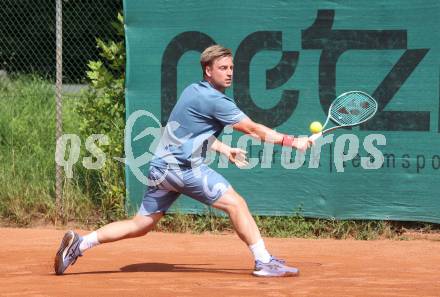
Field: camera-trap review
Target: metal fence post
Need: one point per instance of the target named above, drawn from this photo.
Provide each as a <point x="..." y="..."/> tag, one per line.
<point x="58" y="96"/>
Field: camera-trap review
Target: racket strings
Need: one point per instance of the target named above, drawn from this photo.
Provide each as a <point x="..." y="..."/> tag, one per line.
<point x="352" y="108"/>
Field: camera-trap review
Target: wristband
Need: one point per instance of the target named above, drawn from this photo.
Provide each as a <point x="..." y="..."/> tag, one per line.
<point x="287" y="140"/>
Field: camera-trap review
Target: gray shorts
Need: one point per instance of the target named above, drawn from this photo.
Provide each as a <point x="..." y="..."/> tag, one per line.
<point x="165" y="185"/>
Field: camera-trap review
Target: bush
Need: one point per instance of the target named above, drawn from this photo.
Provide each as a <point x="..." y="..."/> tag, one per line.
<point x="103" y="112"/>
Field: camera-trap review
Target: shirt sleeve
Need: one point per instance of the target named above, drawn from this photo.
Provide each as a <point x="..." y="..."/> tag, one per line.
<point x="227" y="112"/>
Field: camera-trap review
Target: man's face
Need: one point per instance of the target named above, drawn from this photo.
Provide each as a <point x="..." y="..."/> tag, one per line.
<point x="220" y="73"/>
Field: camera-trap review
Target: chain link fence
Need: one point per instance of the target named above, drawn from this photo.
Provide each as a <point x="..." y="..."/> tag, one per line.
<point x="27" y="36"/>
<point x="53" y="40"/>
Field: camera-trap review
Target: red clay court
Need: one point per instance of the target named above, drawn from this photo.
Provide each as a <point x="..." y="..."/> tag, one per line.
<point x="165" y="264"/>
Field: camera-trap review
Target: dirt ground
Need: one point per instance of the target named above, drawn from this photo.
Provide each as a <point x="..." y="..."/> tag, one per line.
<point x="164" y="264"/>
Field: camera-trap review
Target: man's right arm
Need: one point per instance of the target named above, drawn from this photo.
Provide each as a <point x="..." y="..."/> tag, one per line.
<point x="267" y="134"/>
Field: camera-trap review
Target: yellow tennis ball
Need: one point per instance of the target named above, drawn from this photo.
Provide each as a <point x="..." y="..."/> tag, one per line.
<point x="315" y="127"/>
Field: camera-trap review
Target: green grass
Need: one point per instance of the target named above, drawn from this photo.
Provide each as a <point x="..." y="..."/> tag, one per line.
<point x="27" y="150"/>
<point x="276" y="226"/>
<point x="298" y="226"/>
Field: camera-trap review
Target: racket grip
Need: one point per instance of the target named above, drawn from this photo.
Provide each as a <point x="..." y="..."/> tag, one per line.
<point x="315" y="136"/>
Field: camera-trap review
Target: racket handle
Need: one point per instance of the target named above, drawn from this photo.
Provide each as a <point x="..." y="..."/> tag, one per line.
<point x="315" y="136"/>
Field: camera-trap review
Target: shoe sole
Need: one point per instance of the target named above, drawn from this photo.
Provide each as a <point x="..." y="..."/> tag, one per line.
<point x="66" y="243"/>
<point x="261" y="273"/>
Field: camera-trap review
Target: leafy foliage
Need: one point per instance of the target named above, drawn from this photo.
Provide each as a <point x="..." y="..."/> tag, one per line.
<point x="103" y="112"/>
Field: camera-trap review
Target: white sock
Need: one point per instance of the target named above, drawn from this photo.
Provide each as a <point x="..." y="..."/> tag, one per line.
<point x="259" y="251"/>
<point x="89" y="241"/>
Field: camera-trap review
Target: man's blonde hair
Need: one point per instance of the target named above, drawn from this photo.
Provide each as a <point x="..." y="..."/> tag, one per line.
<point x="211" y="53"/>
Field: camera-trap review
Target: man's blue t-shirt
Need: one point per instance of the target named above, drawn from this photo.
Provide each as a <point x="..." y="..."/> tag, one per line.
<point x="200" y="113"/>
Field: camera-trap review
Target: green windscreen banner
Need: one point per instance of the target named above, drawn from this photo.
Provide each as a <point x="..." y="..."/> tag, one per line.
<point x="291" y="60"/>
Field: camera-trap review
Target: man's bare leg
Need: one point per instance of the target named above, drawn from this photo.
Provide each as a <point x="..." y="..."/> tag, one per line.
<point x="244" y="224"/>
<point x="139" y="225"/>
<point x="72" y="245"/>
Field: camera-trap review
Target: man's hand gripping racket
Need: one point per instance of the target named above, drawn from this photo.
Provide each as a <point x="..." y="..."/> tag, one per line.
<point x="347" y="110"/>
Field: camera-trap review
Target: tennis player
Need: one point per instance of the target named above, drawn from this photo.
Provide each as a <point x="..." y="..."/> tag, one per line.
<point x="198" y="118"/>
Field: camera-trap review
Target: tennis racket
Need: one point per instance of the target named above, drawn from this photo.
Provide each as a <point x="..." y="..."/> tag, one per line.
<point x="347" y="110"/>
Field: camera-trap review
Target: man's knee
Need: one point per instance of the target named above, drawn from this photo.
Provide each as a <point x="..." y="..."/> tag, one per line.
<point x="145" y="223"/>
<point x="231" y="202"/>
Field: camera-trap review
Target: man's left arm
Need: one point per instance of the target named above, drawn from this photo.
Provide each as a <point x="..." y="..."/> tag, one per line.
<point x="235" y="155"/>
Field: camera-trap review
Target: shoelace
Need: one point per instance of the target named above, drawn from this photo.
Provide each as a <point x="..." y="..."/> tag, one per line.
<point x="280" y="261"/>
<point x="274" y="263"/>
<point x="73" y="256"/>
